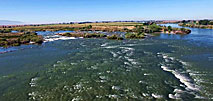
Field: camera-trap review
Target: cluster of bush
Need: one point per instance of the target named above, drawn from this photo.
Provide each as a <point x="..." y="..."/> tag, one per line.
<point x="151" y="28"/>
<point x="135" y="35"/>
<point x="92" y="35"/>
<point x="5" y="30"/>
<point x="115" y="37"/>
<point x="85" y="35"/>
<point x="205" y="22"/>
<point x="16" y="39"/>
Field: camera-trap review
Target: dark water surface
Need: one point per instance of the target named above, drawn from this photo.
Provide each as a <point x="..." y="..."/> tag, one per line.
<point x="164" y="67"/>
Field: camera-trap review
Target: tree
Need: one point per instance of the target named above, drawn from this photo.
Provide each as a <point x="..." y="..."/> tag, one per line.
<point x="139" y="29"/>
<point x="169" y="28"/>
<point x="155" y="28"/>
<point x="211" y="23"/>
<point x="89" y="27"/>
<point x="184" y="21"/>
<point x="204" y="22"/>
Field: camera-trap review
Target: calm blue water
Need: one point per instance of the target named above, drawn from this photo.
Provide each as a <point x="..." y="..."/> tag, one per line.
<point x="164" y="67"/>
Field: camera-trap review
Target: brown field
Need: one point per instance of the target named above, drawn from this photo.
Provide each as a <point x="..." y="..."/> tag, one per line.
<point x="95" y="26"/>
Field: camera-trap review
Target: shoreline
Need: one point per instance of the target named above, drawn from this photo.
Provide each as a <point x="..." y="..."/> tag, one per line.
<point x="28" y="34"/>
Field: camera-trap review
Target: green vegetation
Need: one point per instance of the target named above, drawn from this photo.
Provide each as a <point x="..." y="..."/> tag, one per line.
<point x="153" y="28"/>
<point x="16" y="39"/>
<point x="187" y="31"/>
<point x="169" y="28"/>
<point x="92" y="35"/>
<point x="106" y="27"/>
<point x="85" y="35"/>
<point x="206" y="24"/>
<point x="5" y="30"/>
<point x="114" y="37"/>
<point x="133" y="30"/>
<point x="135" y="35"/>
<point x="137" y="31"/>
<point x="72" y="34"/>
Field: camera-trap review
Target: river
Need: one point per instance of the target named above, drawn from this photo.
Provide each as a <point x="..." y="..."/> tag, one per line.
<point x="163" y="67"/>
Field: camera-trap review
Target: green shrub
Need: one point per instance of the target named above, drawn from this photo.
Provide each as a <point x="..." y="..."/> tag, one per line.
<point x="114" y="37"/>
<point x="134" y="35"/>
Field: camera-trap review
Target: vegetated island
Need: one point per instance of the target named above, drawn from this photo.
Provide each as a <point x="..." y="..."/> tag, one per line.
<point x="16" y="39"/>
<point x="92" y="35"/>
<point x="134" y="30"/>
<point x="205" y="24"/>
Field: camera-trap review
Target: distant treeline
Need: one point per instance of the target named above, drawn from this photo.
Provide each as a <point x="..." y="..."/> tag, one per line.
<point x="199" y="22"/>
<point x="206" y="24"/>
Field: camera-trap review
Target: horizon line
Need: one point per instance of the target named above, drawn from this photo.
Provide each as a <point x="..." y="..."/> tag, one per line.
<point x="98" y="21"/>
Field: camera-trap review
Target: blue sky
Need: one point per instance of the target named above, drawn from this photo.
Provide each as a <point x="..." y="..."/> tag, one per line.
<point x="51" y="11"/>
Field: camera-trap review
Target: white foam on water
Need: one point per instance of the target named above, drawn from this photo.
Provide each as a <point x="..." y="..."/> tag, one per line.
<point x="114" y="54"/>
<point x="102" y="81"/>
<point x="32" y="95"/>
<point x="109" y="47"/>
<point x="33" y="82"/>
<point x="127" y="63"/>
<point x="187" y="81"/>
<point x="131" y="44"/>
<point x="183" y="79"/>
<point x="166" y="69"/>
<point x="165" y="56"/>
<point x="105" y="44"/>
<point x="127" y="48"/>
<point x="83" y="45"/>
<point x="77" y="99"/>
<point x="178" y="91"/>
<point x="116" y="87"/>
<point x="157" y="96"/>
<point x="129" y="59"/>
<point x="103" y="77"/>
<point x="199" y="97"/>
<point x="172" y="58"/>
<point x="97" y="96"/>
<point x="184" y="63"/>
<point x="57" y="37"/>
<point x="167" y="60"/>
<point x="94" y="67"/>
<point x="78" y="86"/>
<point x="113" y="96"/>
<point x="146" y="74"/>
<point x="73" y="63"/>
<point x="132" y="61"/>
<point x="171" y="96"/>
<point x="32" y="42"/>
<point x="130" y="54"/>
<point x="200" y="81"/>
<point x="119" y="52"/>
<point x="145" y="94"/>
